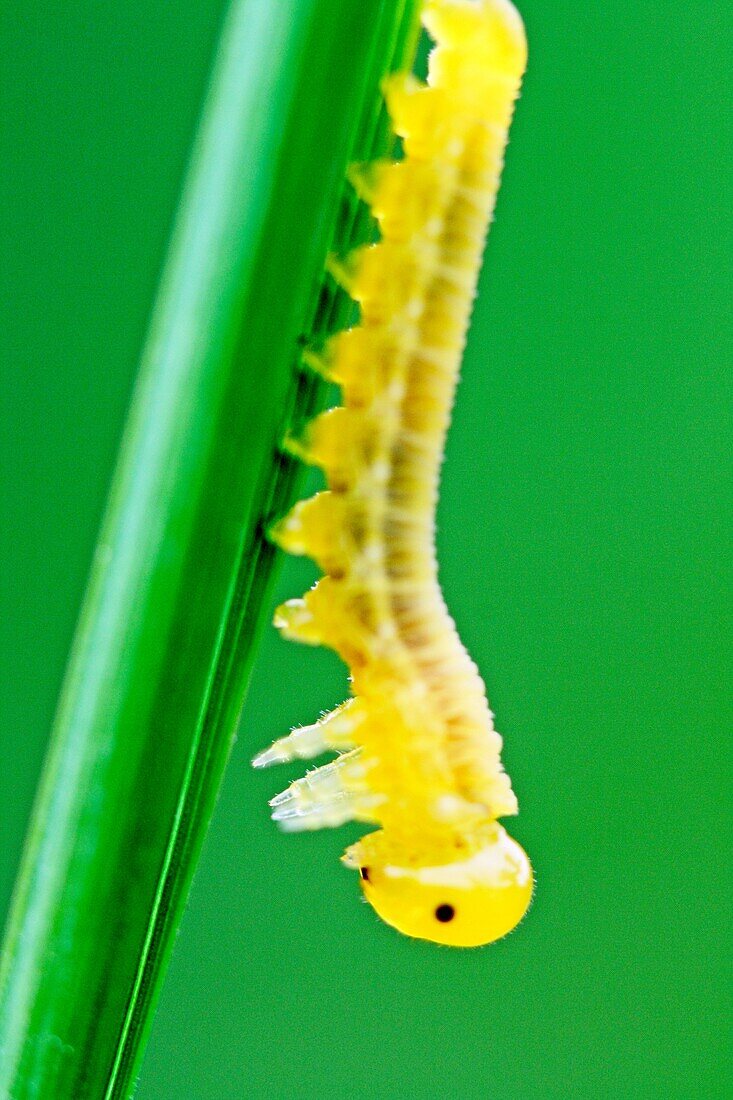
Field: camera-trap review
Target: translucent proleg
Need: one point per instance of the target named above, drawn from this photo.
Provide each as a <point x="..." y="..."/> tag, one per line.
<point x="326" y="797"/>
<point x="332" y="732"/>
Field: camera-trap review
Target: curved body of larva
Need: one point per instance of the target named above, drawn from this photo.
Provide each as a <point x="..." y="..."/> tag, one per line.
<point x="418" y="753"/>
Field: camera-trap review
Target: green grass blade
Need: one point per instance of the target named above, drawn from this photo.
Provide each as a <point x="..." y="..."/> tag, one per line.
<point x="161" y="658"/>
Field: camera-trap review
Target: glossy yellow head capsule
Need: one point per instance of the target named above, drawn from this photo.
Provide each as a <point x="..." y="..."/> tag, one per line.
<point x="465" y="903"/>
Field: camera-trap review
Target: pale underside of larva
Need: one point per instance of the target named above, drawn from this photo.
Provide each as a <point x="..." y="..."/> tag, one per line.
<point x="417" y="751"/>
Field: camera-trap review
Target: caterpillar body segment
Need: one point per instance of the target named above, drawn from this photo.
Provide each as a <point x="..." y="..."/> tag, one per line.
<point x="420" y="755"/>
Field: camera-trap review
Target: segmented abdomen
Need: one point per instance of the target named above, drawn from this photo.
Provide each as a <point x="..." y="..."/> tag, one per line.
<point x="423" y="748"/>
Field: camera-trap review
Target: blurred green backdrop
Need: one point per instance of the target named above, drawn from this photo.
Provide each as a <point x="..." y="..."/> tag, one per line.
<point x="584" y="542"/>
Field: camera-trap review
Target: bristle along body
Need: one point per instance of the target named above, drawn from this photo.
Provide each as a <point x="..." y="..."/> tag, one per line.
<point x="423" y="758"/>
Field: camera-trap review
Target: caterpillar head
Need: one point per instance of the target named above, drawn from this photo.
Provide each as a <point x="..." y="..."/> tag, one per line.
<point x="472" y="900"/>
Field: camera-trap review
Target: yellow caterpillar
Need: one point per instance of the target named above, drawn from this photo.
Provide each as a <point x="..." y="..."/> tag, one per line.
<point x="418" y="753"/>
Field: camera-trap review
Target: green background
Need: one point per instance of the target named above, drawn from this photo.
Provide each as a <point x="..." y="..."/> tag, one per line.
<point x="584" y="544"/>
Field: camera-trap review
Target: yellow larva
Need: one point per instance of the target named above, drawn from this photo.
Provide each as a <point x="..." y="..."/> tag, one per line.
<point x="418" y="753"/>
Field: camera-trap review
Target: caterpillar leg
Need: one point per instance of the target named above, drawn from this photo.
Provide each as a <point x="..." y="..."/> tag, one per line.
<point x="327" y="797"/>
<point x="332" y="732"/>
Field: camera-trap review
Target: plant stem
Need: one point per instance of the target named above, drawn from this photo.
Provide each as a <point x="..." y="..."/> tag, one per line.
<point x="166" y="638"/>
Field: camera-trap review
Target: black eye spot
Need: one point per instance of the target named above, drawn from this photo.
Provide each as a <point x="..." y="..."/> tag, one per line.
<point x="445" y="913"/>
<point x="364" y="872"/>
